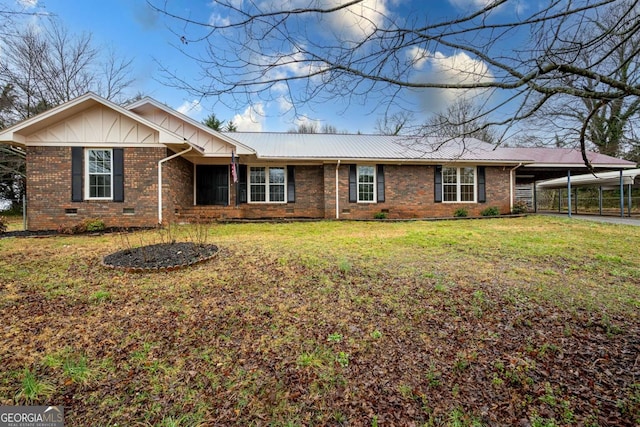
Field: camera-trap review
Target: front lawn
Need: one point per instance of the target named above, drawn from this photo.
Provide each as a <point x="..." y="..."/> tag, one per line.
<point x="526" y="321"/>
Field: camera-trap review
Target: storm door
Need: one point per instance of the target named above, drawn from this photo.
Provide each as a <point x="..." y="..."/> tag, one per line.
<point x="212" y="185"/>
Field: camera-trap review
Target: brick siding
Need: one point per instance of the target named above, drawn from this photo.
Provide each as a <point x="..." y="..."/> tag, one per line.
<point x="408" y="189"/>
<point x="49" y="190"/>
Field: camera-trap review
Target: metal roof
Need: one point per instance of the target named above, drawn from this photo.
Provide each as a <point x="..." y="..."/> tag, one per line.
<point x="567" y="157"/>
<point x="292" y="146"/>
<point x="604" y="179"/>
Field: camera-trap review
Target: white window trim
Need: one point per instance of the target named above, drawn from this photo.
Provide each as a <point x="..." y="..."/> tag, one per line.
<point x="266" y="184"/>
<point x="459" y="185"/>
<point x="375" y="183"/>
<point x="87" y="190"/>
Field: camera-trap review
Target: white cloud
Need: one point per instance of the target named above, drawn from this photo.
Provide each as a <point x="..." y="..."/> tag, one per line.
<point x="458" y="68"/>
<point x="359" y="20"/>
<point x="308" y="122"/>
<point x="471" y="4"/>
<point x="190" y="108"/>
<point x="29" y="4"/>
<point x="251" y="120"/>
<point x="418" y="57"/>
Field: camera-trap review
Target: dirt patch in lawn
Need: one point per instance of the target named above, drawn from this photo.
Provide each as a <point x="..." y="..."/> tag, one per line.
<point x="161" y="256"/>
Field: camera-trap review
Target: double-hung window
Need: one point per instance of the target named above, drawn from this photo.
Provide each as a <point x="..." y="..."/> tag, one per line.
<point x="366" y="184"/>
<point x="459" y="184"/>
<point x="267" y="184"/>
<point x="99" y="173"/>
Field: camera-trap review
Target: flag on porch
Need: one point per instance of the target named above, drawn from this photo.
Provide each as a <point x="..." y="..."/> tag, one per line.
<point x="234" y="170"/>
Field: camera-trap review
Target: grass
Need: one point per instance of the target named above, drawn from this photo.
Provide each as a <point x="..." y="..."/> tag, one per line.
<point x="316" y="323"/>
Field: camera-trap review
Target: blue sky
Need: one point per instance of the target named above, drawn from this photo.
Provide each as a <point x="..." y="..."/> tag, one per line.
<point x="134" y="30"/>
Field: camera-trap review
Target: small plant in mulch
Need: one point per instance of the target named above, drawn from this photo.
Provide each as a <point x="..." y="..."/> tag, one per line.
<point x="461" y="213"/>
<point x="490" y="211"/>
<point x="520" y="207"/>
<point x="169" y="254"/>
<point x="160" y="256"/>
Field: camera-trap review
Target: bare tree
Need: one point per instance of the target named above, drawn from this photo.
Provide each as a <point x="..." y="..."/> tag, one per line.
<point x="609" y="128"/>
<point x="254" y="47"/>
<point x="44" y="67"/>
<point x="462" y="119"/>
<point x="47" y="66"/>
<point x="394" y="124"/>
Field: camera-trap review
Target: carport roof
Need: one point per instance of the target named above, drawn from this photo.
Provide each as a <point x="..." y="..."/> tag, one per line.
<point x="604" y="179"/>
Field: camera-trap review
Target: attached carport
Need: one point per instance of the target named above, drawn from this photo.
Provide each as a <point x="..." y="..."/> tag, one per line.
<point x="601" y="180"/>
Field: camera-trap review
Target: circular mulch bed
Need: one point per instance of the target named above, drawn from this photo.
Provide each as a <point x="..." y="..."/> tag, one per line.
<point x="160" y="257"/>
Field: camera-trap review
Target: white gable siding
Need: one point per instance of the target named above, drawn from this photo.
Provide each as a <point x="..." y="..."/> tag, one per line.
<point x="211" y="145"/>
<point x="96" y="125"/>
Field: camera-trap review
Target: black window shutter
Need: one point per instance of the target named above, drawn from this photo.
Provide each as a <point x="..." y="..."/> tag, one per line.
<point x="353" y="184"/>
<point x="291" y="184"/>
<point x="380" y="183"/>
<point x="118" y="175"/>
<point x="241" y="188"/>
<point x="482" y="186"/>
<point x="437" y="185"/>
<point x="77" y="155"/>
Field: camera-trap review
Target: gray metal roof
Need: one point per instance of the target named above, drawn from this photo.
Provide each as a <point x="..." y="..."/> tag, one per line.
<point x="299" y="146"/>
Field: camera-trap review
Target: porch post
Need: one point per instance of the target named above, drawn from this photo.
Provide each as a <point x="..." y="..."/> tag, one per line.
<point x="569" y="191"/>
<point x="629" y="201"/>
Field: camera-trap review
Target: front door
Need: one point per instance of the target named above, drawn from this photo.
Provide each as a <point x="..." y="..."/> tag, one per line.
<point x="212" y="185"/>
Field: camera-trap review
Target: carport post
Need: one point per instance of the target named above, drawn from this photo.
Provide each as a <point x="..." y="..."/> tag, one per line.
<point x="629" y="200"/>
<point x="600" y="199"/>
<point x="621" y="195"/>
<point x="569" y="192"/>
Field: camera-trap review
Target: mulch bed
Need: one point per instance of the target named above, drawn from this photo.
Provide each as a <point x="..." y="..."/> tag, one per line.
<point x="49" y="233"/>
<point x="160" y="257"/>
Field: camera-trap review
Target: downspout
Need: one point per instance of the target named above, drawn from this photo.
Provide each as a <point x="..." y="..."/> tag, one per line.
<point x="160" y="162"/>
<point x="337" y="194"/>
<point x="512" y="180"/>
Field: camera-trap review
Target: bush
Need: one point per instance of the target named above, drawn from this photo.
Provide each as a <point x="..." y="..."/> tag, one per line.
<point x="93" y="225"/>
<point x="380" y="215"/>
<point x="3" y="225"/>
<point x="490" y="211"/>
<point x="461" y="213"/>
<point x="89" y="225"/>
<point x="520" y="207"/>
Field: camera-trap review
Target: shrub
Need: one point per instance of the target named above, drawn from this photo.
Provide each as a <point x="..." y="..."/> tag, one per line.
<point x="90" y="225"/>
<point x="461" y="213"/>
<point x="520" y="207"/>
<point x="380" y="215"/>
<point x="3" y="225"/>
<point x="93" y="225"/>
<point x="490" y="211"/>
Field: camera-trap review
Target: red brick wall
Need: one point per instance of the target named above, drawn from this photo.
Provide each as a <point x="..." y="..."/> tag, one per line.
<point x="409" y="193"/>
<point x="49" y="190"/>
<point x="177" y="183"/>
<point x="309" y="198"/>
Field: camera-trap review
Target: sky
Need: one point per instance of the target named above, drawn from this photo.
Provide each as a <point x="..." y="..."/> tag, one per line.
<point x="136" y="31"/>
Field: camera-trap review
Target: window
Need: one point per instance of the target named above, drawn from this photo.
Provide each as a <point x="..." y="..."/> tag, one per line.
<point x="267" y="184"/>
<point x="366" y="184"/>
<point x="458" y="184"/>
<point x="99" y="172"/>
